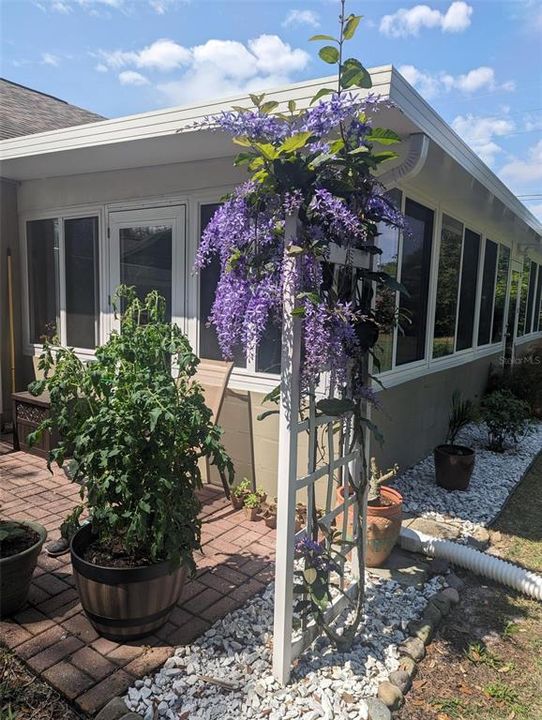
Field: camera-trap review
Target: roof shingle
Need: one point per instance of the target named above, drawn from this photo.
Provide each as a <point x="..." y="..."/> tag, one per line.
<point x="24" y="111"/>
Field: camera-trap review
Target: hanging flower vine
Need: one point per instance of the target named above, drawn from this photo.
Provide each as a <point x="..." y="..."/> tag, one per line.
<point x="318" y="163"/>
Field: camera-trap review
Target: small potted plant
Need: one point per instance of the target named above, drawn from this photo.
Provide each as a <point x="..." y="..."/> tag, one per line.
<point x="20" y="545"/>
<point x="454" y="463"/>
<point x="384" y="516"/>
<point x="506" y="418"/>
<point x="135" y="426"/>
<point x="252" y="504"/>
<point x="239" y="492"/>
<point x="270" y="515"/>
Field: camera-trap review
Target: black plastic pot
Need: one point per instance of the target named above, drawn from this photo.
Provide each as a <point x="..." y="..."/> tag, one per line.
<point x="453" y="466"/>
<point x="125" y="603"/>
<point x="16" y="573"/>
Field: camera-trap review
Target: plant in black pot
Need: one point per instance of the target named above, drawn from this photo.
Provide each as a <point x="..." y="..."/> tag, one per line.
<point x="454" y="463"/>
<point x="135" y="426"/>
<point x="20" y="545"/>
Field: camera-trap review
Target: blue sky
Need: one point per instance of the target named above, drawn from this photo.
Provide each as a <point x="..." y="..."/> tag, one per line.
<point x="478" y="62"/>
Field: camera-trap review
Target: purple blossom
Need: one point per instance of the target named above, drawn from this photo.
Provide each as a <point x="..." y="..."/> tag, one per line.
<point x="340" y="221"/>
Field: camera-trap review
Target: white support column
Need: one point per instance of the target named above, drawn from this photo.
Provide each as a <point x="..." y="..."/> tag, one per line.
<point x="287" y="469"/>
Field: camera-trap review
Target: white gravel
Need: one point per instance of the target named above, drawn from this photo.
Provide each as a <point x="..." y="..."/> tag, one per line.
<point x="237" y="650"/>
<point x="495" y="476"/>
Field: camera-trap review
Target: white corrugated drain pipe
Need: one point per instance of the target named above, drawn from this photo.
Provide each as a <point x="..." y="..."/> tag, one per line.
<point x="481" y="563"/>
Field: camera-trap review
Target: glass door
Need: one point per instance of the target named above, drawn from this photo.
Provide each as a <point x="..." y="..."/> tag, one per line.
<point x="147" y="249"/>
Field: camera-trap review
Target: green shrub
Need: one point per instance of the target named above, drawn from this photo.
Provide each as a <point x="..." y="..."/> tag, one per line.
<point x="524" y="380"/>
<point x="135" y="431"/>
<point x="506" y="418"/>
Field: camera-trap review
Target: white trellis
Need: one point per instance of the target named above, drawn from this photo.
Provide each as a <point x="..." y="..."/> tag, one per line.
<point x="295" y="474"/>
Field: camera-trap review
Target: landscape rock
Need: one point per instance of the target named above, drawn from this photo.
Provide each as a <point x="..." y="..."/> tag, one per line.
<point x="390" y="695"/>
<point x="454" y="581"/>
<point x="414" y="648"/>
<point x="114" y="710"/>
<point x="408" y="665"/>
<point x="432" y="615"/>
<point x="438" y="566"/>
<point x="377" y="709"/>
<point x="450" y="594"/>
<point x="401" y="680"/>
<point x="422" y="630"/>
<point x="131" y="716"/>
<point x="442" y="603"/>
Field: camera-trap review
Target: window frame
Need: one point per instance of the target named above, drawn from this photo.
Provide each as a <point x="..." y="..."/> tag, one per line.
<point x="60" y="215"/>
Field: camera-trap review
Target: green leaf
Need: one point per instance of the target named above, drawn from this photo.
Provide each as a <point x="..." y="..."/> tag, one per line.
<point x="154" y="415"/>
<point x="295" y="250"/>
<point x="245" y="142"/>
<point x="292" y="106"/>
<point x="257" y="99"/>
<point x="266" y="414"/>
<point x="298" y="311"/>
<point x="323" y="37"/>
<point x="329" y="54"/>
<point x="385" y="155"/>
<point x="314" y="297"/>
<point x="351" y="26"/>
<point x="267" y="150"/>
<point x="336" y="407"/>
<point x="296" y="142"/>
<point x="310" y="575"/>
<point x="383" y="136"/>
<point x="273" y="395"/>
<point x="374" y="429"/>
<point x="321" y="93"/>
<point x="268" y="106"/>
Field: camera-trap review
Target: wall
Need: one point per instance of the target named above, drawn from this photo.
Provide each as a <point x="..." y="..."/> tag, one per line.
<point x="8" y="239"/>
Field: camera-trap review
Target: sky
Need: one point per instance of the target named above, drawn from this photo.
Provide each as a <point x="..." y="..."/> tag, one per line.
<point x="478" y="62"/>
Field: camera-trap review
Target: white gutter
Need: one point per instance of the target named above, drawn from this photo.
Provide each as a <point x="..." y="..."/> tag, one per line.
<point x="418" y="147"/>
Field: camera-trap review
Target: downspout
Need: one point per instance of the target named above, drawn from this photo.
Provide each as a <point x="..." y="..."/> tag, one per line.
<point x="418" y="147"/>
<point x="518" y="578"/>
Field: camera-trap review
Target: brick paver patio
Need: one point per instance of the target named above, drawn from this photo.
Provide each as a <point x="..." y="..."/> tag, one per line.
<point x="52" y="634"/>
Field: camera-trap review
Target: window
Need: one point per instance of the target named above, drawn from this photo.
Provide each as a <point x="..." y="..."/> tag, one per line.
<point x="501" y="287"/>
<point x="386" y="298"/>
<point x="523" y="297"/>
<point x="43" y="300"/>
<point x="467" y="291"/>
<point x="209" y="276"/>
<point x="488" y="287"/>
<point x="68" y="309"/>
<point x="82" y="296"/>
<point x="414" y="276"/>
<point x="530" y="299"/>
<point x="447" y="287"/>
<point x="537" y="317"/>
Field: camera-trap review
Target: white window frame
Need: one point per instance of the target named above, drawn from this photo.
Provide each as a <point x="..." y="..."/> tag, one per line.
<point x="534" y="334"/>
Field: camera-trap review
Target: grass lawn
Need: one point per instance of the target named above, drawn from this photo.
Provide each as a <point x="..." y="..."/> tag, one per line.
<point x="486" y="662"/>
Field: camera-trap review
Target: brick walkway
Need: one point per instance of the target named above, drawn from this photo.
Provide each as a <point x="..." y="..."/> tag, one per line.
<point x="52" y="634"/>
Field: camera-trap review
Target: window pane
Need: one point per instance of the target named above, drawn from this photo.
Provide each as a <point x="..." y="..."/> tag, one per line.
<point x="448" y="283"/>
<point x="145" y="260"/>
<point x="523" y="297"/>
<point x="530" y="300"/>
<point x="81" y="260"/>
<point x="488" y="284"/>
<point x="500" y="293"/>
<point x="415" y="268"/>
<point x="208" y="280"/>
<point x="386" y="299"/>
<point x="42" y="251"/>
<point x="467" y="292"/>
<point x="269" y="350"/>
<point x="537" y="309"/>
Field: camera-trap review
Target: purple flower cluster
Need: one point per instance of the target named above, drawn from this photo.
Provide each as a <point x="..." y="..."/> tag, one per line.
<point x="315" y="555"/>
<point x="340" y="222"/>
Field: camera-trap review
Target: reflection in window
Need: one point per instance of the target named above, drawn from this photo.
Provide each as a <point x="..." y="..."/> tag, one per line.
<point x="415" y="269"/>
<point x="386" y="299"/>
<point x="145" y="260"/>
<point x="467" y="291"/>
<point x="530" y="299"/>
<point x="501" y="287"/>
<point x="523" y="296"/>
<point x="81" y="262"/>
<point x="43" y="297"/>
<point x="488" y="285"/>
<point x="208" y="280"/>
<point x="537" y="307"/>
<point x="447" y="286"/>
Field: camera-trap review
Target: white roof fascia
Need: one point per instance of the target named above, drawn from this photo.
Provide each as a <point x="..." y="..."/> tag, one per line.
<point x="411" y="103"/>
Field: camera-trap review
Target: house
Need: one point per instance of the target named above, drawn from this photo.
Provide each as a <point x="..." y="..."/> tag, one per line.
<point x="125" y="200"/>
<point x="23" y="111"/>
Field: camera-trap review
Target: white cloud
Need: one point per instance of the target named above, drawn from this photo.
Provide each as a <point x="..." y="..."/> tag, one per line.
<point x="216" y="68"/>
<point x="131" y="77"/>
<point x="50" y="59"/>
<point x="94" y="6"/>
<point x="429" y="85"/>
<point x="536" y="210"/>
<point x="410" y="21"/>
<point x="480" y="133"/>
<point x="101" y="68"/>
<point x="521" y="173"/>
<point x="302" y="17"/>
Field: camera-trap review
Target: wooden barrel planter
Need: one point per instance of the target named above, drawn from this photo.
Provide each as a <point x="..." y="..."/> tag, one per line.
<point x="16" y="572"/>
<point x="125" y="604"/>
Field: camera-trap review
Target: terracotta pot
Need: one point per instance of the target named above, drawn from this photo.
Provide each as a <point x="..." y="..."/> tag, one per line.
<point x="16" y="572"/>
<point x="125" y="604"/>
<point x="271" y="520"/>
<point x="383" y="525"/>
<point x="453" y="469"/>
<point x="236" y="502"/>
<point x="252" y="513"/>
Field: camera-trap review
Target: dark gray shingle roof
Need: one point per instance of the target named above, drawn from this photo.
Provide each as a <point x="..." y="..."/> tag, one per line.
<point x="24" y="111"/>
